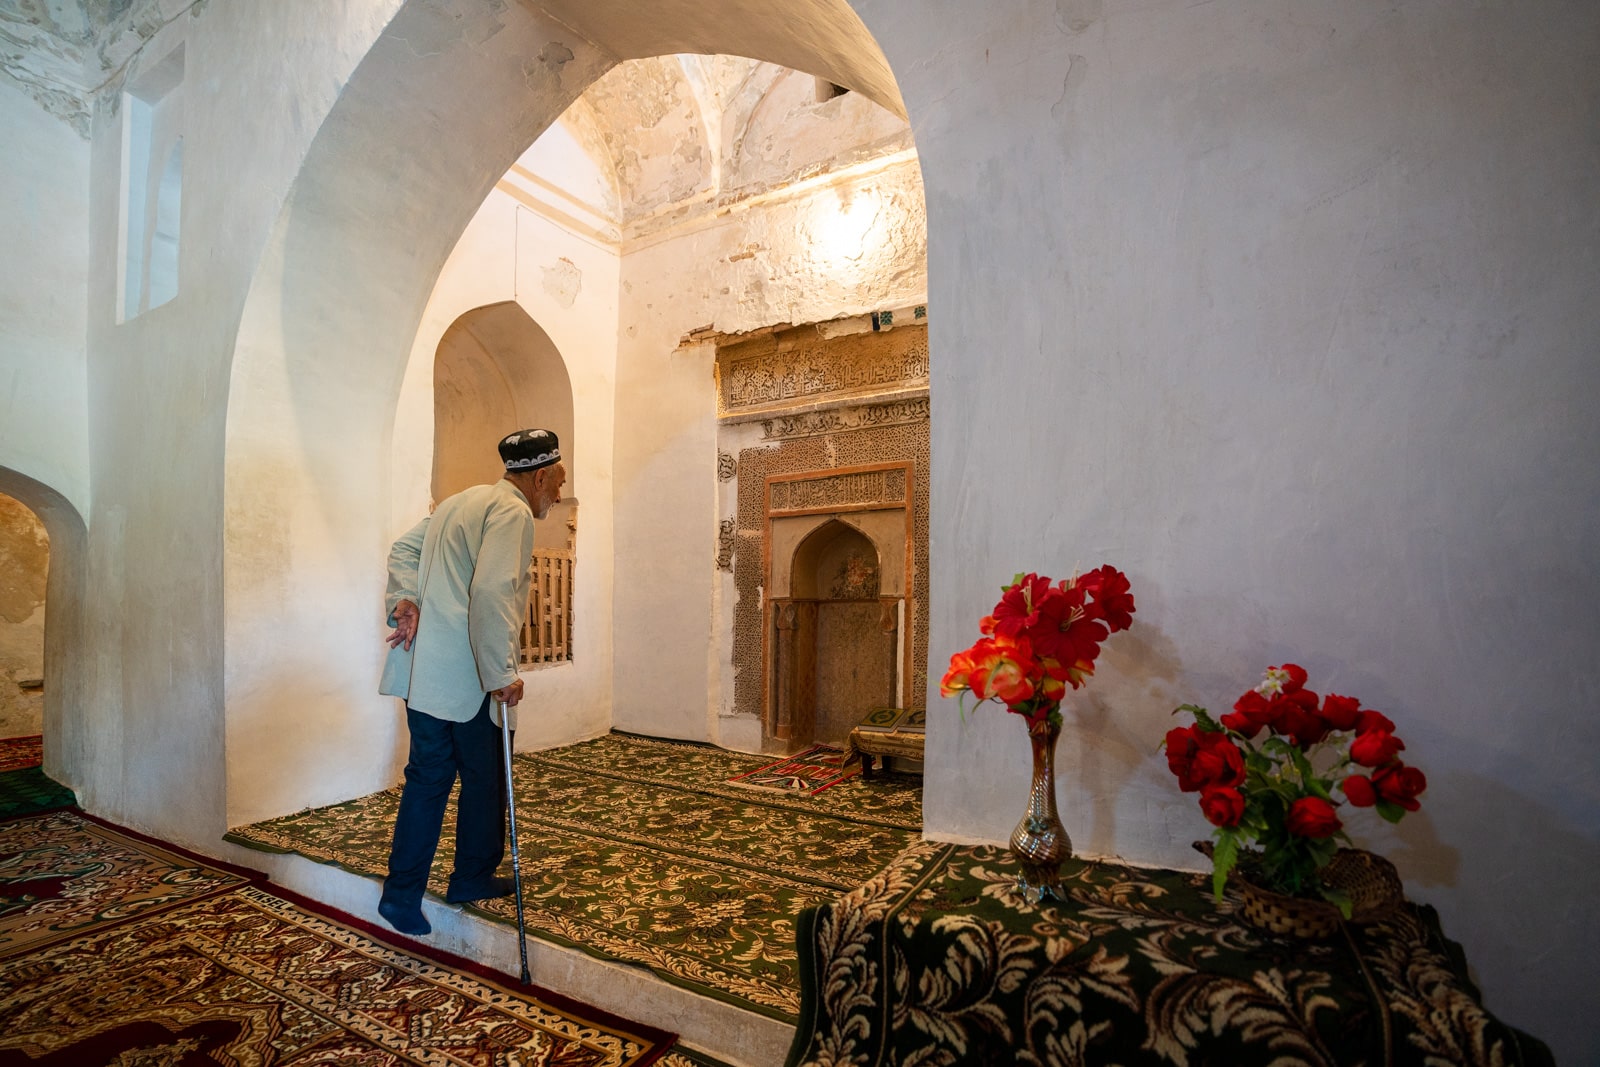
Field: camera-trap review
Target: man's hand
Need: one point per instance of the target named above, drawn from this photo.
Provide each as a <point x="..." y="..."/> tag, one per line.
<point x="405" y="624"/>
<point x="511" y="695"/>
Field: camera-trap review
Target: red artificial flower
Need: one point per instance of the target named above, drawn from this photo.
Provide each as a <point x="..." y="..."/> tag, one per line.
<point x="1200" y="759"/>
<point x="1375" y="748"/>
<point x="1359" y="792"/>
<point x="1112" y="595"/>
<point x="1052" y="685"/>
<point x="1289" y="678"/>
<point x="994" y="667"/>
<point x="1219" y="761"/>
<point x="1399" y="784"/>
<point x="1018" y="609"/>
<point x="1182" y="743"/>
<point x="1340" y="712"/>
<point x="1065" y="632"/>
<point x="1312" y="817"/>
<point x="1250" y="713"/>
<point x="1298" y="719"/>
<point x="958" y="678"/>
<point x="1223" y="806"/>
<point x="1369" y="720"/>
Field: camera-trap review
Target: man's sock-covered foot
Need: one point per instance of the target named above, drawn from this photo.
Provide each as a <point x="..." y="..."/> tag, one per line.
<point x="497" y="886"/>
<point x="406" y="920"/>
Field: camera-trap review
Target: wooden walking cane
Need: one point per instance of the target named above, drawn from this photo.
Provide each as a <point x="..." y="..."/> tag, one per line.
<point x="516" y="857"/>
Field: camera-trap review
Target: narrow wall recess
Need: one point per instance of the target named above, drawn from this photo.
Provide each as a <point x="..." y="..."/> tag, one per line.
<point x="152" y="187"/>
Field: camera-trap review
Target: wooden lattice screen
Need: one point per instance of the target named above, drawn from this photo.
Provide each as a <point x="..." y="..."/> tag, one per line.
<point x="547" y="629"/>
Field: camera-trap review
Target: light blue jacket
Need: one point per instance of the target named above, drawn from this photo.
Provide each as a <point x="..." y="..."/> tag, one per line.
<point x="466" y="569"/>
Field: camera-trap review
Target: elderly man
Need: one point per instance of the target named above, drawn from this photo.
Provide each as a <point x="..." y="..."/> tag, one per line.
<point x="458" y="589"/>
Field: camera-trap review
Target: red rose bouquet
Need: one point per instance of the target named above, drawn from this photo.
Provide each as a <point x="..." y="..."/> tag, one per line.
<point x="1041" y="639"/>
<point x="1278" y="792"/>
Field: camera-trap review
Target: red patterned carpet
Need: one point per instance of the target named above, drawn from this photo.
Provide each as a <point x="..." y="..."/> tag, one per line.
<point x="118" y="950"/>
<point x="17" y="753"/>
<point x="809" y="772"/>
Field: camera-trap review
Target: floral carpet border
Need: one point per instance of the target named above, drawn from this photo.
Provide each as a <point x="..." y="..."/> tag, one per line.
<point x="76" y="889"/>
<point x="410" y="946"/>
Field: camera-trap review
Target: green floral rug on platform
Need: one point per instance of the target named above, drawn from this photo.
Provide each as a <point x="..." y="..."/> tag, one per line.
<point x="639" y="850"/>
<point x="28" y="790"/>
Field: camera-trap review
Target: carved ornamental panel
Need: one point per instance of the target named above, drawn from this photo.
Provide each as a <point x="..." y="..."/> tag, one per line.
<point x="797" y="367"/>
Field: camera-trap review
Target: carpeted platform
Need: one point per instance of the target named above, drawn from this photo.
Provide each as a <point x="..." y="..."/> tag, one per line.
<point x="117" y="949"/>
<point x="640" y="850"/>
<point x="29" y="790"/>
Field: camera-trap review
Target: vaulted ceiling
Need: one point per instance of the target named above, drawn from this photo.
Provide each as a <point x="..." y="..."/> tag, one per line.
<point x="668" y="134"/>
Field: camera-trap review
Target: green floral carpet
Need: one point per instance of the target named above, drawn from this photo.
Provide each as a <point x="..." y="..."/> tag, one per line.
<point x="639" y="850"/>
<point x="939" y="960"/>
<point x="28" y="790"/>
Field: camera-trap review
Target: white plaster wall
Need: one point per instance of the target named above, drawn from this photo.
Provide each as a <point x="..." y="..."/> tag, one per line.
<point x="784" y="259"/>
<point x="154" y="757"/>
<point x="1288" y="310"/>
<point x="44" y="186"/>
<point x="333" y="372"/>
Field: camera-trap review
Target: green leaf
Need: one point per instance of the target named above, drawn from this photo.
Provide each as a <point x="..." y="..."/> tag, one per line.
<point x="1391" y="811"/>
<point x="1318" y="787"/>
<point x="1340" y="898"/>
<point x="1223" y="859"/>
<point x="1301" y="764"/>
<point x="1202" y="718"/>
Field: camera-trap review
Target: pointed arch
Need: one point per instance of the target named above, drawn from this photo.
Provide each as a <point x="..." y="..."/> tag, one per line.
<point x="446" y="99"/>
<point x="67" y="652"/>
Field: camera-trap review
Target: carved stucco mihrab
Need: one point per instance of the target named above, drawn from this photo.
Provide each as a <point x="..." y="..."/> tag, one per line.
<point x="839" y="491"/>
<point x="834" y="420"/>
<point x="884" y="444"/>
<point x="799" y="366"/>
<point x="829" y="403"/>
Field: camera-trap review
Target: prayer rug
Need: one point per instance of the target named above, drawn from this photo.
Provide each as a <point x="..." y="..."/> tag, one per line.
<point x="811" y="771"/>
<point x="940" y="960"/>
<point x="639" y="850"/>
<point x="194" y="964"/>
<point x="19" y="752"/>
<point x="63" y="874"/>
<point x="30" y="790"/>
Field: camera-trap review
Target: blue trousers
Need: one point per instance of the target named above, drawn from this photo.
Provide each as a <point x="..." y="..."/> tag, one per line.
<point x="441" y="750"/>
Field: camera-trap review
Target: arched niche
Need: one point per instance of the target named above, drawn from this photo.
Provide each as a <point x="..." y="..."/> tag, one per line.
<point x="68" y="655"/>
<point x="448" y="96"/>
<point x="834" y="641"/>
<point x="495" y="371"/>
<point x="836" y="561"/>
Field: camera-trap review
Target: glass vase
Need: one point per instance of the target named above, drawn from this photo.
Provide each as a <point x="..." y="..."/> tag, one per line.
<point x="1040" y="843"/>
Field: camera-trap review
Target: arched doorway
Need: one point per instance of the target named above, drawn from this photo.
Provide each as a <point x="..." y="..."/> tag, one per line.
<point x="42" y="625"/>
<point x="321" y="354"/>
<point x="24" y="568"/>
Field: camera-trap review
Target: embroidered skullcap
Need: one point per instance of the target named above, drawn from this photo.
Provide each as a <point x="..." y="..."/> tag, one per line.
<point x="528" y="450"/>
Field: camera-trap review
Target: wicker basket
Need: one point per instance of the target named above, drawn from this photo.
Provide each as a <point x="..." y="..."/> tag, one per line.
<point x="1369" y="880"/>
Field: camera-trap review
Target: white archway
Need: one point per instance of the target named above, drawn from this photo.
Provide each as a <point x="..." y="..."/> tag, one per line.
<point x="68" y="655"/>
<point x="446" y="99"/>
